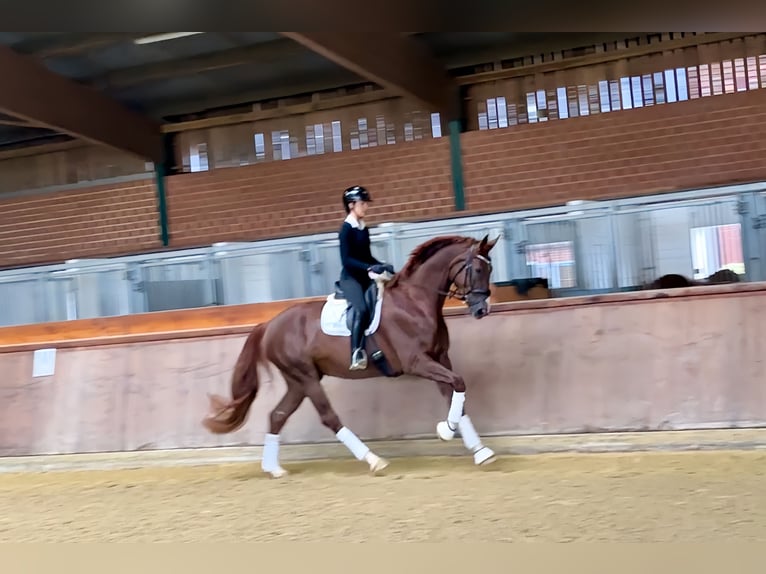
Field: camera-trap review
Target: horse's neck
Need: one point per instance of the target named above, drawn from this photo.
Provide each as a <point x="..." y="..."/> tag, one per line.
<point x="432" y="277"/>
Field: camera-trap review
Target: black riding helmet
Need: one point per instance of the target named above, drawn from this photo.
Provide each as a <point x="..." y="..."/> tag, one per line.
<point x="355" y="193"/>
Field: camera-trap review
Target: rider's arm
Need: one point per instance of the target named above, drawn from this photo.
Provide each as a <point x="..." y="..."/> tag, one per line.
<point x="372" y="259"/>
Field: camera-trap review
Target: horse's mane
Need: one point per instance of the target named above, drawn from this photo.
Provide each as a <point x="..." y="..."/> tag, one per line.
<point x="425" y="251"/>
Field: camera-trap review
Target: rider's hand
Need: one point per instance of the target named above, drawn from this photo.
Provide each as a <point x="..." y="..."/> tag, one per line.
<point x="377" y="269"/>
<point x="380" y="269"/>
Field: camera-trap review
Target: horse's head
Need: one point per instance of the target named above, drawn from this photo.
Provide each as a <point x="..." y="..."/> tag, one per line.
<point x="470" y="274"/>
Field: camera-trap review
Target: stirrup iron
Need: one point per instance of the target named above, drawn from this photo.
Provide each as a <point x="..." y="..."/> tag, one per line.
<point x="358" y="360"/>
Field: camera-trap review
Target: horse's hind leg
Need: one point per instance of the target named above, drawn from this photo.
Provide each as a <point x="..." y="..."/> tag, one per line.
<point x="331" y="420"/>
<point x="481" y="454"/>
<point x="277" y="419"/>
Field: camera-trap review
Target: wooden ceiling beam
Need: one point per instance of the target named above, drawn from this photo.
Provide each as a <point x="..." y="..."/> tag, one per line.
<point x="395" y="62"/>
<point x="40" y="96"/>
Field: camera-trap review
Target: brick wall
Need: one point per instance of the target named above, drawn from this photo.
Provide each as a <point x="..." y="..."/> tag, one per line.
<point x="657" y="149"/>
<point x="303" y="195"/>
<point x="91" y="222"/>
<point x="710" y="141"/>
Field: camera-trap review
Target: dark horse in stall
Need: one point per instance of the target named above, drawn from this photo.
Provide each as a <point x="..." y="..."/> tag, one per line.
<point x="412" y="338"/>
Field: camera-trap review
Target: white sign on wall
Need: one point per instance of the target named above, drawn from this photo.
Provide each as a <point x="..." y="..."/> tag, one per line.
<point x="44" y="363"/>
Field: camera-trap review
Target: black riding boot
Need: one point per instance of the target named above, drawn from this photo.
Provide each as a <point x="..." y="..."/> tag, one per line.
<point x="358" y="354"/>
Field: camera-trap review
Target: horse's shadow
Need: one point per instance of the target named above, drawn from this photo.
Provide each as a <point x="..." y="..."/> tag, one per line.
<point x="414" y="468"/>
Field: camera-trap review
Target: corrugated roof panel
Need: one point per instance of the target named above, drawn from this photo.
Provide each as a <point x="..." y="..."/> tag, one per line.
<point x="249" y="38"/>
<point x="182" y="87"/>
<point x="11" y="38"/>
<point x="74" y="67"/>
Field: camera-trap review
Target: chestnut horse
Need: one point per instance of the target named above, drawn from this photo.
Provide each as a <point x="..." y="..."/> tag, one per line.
<point x="412" y="337"/>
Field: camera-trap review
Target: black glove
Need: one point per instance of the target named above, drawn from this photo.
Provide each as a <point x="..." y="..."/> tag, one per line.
<point x="380" y="269"/>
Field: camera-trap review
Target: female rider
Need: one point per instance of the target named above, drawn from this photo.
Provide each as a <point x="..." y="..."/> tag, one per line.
<point x="357" y="262"/>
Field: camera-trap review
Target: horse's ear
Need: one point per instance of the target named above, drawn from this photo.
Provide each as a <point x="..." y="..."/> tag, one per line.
<point x="486" y="245"/>
<point x="478" y="246"/>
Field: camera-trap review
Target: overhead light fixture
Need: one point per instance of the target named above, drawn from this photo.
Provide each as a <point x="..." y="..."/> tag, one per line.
<point x="163" y="37"/>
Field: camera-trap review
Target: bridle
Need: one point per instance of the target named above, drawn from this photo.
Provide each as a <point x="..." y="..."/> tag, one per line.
<point x="467" y="268"/>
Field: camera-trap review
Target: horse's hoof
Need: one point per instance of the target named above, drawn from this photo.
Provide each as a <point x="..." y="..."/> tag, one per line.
<point x="484" y="456"/>
<point x="278" y="472"/>
<point x="377" y="463"/>
<point x="444" y="432"/>
<point x="379" y="466"/>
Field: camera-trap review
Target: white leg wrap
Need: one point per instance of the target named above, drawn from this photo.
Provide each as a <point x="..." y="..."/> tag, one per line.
<point x="471" y="438"/>
<point x="456" y="409"/>
<point x="352" y="442"/>
<point x="270" y="459"/>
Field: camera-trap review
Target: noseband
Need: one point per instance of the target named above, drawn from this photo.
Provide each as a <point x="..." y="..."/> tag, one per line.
<point x="467" y="268"/>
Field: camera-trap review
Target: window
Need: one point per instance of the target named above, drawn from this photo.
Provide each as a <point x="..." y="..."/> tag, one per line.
<point x="717" y="247"/>
<point x="280" y="143"/>
<point x="314" y="139"/>
<point x="337" y="141"/>
<point x="260" y="146"/>
<point x="436" y="125"/>
<point x="554" y="261"/>
<point x="198" y="157"/>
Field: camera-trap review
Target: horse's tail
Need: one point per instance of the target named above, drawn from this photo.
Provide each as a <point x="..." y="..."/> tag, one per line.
<point x="228" y="416"/>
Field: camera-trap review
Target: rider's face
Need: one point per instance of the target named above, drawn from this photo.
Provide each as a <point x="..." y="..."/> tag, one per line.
<point x="359" y="209"/>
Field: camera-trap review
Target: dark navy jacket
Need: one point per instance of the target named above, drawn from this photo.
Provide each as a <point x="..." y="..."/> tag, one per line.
<point x="355" y="253"/>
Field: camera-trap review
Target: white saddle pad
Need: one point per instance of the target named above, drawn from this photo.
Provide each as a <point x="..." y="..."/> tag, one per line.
<point x="333" y="318"/>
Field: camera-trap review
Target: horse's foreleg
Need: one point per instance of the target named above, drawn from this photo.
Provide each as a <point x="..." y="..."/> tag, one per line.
<point x="452" y="387"/>
<point x="481" y="454"/>
<point x="331" y="420"/>
<point x="425" y="367"/>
